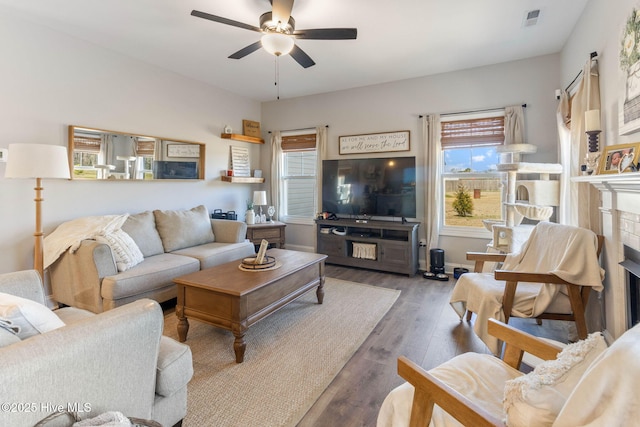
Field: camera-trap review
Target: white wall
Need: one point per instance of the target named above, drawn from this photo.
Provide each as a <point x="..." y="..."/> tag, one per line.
<point x="49" y="81"/>
<point x="396" y="106"/>
<point x="600" y="29"/>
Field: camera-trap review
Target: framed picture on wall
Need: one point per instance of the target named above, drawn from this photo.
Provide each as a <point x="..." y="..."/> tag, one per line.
<point x="619" y="158"/>
<point x="629" y="102"/>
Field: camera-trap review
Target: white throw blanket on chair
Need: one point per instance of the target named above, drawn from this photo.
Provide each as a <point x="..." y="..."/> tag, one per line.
<point x="70" y="234"/>
<point x="565" y="251"/>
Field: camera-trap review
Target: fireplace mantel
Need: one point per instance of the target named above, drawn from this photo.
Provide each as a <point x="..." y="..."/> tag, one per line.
<point x="618" y="182"/>
<point x="620" y="214"/>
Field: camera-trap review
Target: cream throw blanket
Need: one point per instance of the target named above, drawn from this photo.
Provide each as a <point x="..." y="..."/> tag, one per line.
<point x="565" y="251"/>
<point x="70" y="234"/>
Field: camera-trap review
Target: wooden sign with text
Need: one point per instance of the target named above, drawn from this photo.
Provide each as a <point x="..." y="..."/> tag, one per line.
<point x="375" y="142"/>
<point x="251" y="128"/>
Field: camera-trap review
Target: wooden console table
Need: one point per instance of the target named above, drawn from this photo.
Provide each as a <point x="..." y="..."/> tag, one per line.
<point x="377" y="245"/>
<point x="272" y="231"/>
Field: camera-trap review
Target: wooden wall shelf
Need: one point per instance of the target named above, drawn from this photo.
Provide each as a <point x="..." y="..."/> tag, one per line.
<point x="244" y="138"/>
<point x="242" y="179"/>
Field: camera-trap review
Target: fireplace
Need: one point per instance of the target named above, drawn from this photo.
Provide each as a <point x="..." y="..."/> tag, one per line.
<point x="631" y="264"/>
<point x="620" y="225"/>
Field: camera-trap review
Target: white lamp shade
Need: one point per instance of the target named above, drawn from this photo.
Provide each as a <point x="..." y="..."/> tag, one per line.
<point x="259" y="198"/>
<point x="277" y="44"/>
<point x="37" y="161"/>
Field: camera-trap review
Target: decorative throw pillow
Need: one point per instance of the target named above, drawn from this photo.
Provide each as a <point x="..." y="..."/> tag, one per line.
<point x="536" y="399"/>
<point x="184" y="229"/>
<point x="142" y="229"/>
<point x="30" y="317"/>
<point x="124" y="249"/>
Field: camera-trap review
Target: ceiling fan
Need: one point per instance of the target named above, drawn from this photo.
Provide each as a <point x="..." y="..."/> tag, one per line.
<point x="278" y="32"/>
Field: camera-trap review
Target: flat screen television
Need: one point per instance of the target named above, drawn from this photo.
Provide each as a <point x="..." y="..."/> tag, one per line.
<point x="175" y="170"/>
<point x="379" y="187"/>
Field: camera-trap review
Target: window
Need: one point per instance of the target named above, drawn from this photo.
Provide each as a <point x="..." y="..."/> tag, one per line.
<point x="85" y="157"/>
<point x="298" y="183"/>
<point x="145" y="150"/>
<point x="472" y="187"/>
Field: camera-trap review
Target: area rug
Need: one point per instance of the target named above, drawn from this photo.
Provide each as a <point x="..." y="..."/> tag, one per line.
<point x="291" y="357"/>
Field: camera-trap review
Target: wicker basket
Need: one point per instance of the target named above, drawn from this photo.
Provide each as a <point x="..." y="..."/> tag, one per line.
<point x="250" y="263"/>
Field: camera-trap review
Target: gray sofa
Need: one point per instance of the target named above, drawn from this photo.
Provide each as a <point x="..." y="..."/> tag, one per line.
<point x="173" y="243"/>
<point x="113" y="361"/>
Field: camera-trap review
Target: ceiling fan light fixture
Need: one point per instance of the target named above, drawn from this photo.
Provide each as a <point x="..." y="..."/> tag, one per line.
<point x="277" y="44"/>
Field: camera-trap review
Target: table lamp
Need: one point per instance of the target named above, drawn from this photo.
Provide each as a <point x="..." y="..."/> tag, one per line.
<point x="37" y="161"/>
<point x="260" y="199"/>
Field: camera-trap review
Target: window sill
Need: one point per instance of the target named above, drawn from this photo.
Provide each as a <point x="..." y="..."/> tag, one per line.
<point x="470" y="232"/>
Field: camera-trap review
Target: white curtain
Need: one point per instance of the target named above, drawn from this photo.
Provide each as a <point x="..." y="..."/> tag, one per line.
<point x="276" y="171"/>
<point x="433" y="187"/>
<point x="582" y="212"/>
<point x="321" y="153"/>
<point x="138" y="162"/>
<point x="106" y="149"/>
<point x="514" y="125"/>
<point x="563" y="117"/>
<point x="157" y="150"/>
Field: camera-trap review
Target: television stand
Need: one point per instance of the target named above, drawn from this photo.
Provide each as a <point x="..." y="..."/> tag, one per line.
<point x="378" y="245"/>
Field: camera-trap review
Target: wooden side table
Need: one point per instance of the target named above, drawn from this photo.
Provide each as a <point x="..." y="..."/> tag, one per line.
<point x="272" y="231"/>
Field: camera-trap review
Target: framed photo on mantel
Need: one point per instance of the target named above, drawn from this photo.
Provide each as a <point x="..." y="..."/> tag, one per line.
<point x="375" y="142"/>
<point x="619" y="158"/>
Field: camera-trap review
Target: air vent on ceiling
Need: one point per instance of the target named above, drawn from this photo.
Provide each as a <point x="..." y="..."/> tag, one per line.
<point x="532" y="18"/>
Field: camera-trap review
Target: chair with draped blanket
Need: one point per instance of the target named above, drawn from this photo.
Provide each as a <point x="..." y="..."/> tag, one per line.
<point x="585" y="384"/>
<point x="550" y="278"/>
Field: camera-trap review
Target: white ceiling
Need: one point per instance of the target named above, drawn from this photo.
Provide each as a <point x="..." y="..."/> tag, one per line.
<point x="396" y="39"/>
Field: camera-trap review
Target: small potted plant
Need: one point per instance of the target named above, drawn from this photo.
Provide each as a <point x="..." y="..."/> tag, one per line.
<point x="250" y="215"/>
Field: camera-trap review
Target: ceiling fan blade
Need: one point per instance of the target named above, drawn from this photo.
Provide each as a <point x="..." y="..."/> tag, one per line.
<point x="281" y="10"/>
<point x="327" y="34"/>
<point x="246" y="50"/>
<point x="222" y="20"/>
<point x="301" y="57"/>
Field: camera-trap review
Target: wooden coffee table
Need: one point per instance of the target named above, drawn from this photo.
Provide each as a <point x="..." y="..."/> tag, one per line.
<point x="232" y="299"/>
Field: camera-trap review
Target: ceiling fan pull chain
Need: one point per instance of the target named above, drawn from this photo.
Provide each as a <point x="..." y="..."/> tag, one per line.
<point x="277" y="73"/>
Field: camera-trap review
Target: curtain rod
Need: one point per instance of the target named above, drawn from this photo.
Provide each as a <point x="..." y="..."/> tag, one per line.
<point x="473" y="111"/>
<point x="592" y="56"/>
<point x="295" y="130"/>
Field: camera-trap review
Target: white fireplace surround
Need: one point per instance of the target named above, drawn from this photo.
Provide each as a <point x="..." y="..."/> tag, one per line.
<point x="620" y="214"/>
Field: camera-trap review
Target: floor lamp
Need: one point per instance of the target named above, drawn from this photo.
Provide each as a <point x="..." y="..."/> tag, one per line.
<point x="37" y="161"/>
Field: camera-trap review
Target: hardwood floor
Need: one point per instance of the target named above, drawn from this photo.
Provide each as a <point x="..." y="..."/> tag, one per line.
<point x="422" y="326"/>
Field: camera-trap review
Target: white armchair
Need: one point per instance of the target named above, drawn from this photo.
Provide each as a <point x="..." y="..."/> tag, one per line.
<point x="584" y="384"/>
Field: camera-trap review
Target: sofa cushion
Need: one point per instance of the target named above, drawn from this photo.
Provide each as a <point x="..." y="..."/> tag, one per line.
<point x="31" y="317"/>
<point x="142" y="229"/>
<point x="536" y="399"/>
<point x="153" y="273"/>
<point x="212" y="254"/>
<point x="125" y="250"/>
<point x="7" y="338"/>
<point x="174" y="368"/>
<point x="180" y="229"/>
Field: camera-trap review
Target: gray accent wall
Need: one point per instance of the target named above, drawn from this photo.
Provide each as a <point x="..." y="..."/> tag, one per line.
<point x="396" y="106"/>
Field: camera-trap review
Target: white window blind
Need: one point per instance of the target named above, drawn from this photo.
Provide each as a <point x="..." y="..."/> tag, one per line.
<point x="300" y="183"/>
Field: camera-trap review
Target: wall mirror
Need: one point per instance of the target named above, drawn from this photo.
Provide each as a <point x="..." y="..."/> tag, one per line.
<point x="99" y="154"/>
